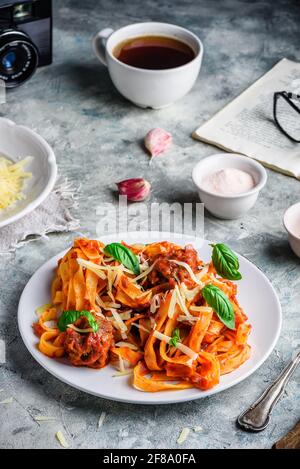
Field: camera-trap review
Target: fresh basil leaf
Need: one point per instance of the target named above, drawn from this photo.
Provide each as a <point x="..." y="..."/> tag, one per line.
<point x="122" y="254"/>
<point x="225" y="262"/>
<point x="175" y="338"/>
<point x="219" y="302"/>
<point x="71" y="316"/>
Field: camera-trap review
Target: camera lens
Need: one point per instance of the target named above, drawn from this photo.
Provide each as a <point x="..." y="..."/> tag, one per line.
<point x="8" y="60"/>
<point x="18" y="58"/>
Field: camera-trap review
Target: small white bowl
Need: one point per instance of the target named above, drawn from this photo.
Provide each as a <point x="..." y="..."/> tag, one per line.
<point x="17" y="142"/>
<point x="291" y="221"/>
<point x="229" y="206"/>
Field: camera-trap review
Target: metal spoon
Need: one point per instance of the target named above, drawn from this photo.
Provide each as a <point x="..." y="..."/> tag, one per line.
<point x="257" y="416"/>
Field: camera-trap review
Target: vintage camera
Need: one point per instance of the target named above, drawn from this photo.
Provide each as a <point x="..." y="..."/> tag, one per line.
<point x="25" y="39"/>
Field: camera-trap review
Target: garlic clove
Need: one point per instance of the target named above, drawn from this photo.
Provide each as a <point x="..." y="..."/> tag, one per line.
<point x="157" y="141"/>
<point x="136" y="189"/>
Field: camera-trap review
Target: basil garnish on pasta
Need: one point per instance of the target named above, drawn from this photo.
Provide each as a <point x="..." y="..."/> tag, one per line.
<point x="71" y="316"/>
<point x="123" y="255"/>
<point x="219" y="302"/>
<point x="225" y="262"/>
<point x="175" y="338"/>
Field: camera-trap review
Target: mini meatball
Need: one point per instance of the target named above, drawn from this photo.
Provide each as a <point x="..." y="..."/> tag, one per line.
<point x="89" y="349"/>
<point x="171" y="271"/>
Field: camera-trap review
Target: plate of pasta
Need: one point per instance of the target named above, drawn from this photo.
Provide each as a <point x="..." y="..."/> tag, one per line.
<point x="149" y="318"/>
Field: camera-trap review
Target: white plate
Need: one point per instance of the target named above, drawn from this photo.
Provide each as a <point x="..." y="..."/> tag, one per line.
<point x="17" y="142"/>
<point x="256" y="296"/>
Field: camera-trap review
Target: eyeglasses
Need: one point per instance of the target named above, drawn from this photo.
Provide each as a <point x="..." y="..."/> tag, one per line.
<point x="286" y="111"/>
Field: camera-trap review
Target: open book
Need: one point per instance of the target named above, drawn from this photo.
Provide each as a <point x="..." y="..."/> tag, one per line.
<point x="246" y="125"/>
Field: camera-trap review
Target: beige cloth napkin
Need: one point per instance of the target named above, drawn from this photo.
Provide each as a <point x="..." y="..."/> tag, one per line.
<point x="53" y="215"/>
<point x="246" y="125"/>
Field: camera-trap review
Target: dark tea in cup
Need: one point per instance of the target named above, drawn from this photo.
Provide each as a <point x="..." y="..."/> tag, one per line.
<point x="154" y="52"/>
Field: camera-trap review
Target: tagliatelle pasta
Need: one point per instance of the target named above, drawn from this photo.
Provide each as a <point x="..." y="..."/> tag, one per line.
<point x="155" y="322"/>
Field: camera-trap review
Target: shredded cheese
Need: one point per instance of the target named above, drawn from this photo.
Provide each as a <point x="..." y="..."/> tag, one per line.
<point x="144" y="274"/>
<point x="44" y="418"/>
<point x="101" y="419"/>
<point x="107" y="305"/>
<point x="188" y="268"/>
<point x="100" y="315"/>
<point x="108" y="259"/>
<point x="121" y="364"/>
<point x="61" y="439"/>
<point x="139" y="326"/>
<point x="110" y="281"/>
<point x="186" y="319"/>
<point x="201" y="309"/>
<point x="183" y="348"/>
<point x="126" y="344"/>
<point x="203" y="272"/>
<point x="198" y="429"/>
<point x="183" y="435"/>
<point x="189" y="294"/>
<point x="118" y="275"/>
<point x="99" y="268"/>
<point x="126" y="315"/>
<point x="181" y="302"/>
<point x="9" y="400"/>
<point x="122" y="373"/>
<point x="155" y="303"/>
<point x="12" y="176"/>
<point x="121" y="325"/>
<point x="172" y="305"/>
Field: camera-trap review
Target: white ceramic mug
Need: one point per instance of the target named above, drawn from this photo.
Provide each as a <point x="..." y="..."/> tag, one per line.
<point x="149" y="88"/>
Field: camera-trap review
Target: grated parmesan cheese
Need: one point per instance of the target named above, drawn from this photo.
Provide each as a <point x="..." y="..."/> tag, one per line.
<point x="120" y="323"/>
<point x="203" y="272"/>
<point x="155" y="303"/>
<point x="145" y="273"/>
<point x="172" y="304"/>
<point x="183" y="435"/>
<point x="121" y="364"/>
<point x="181" y="302"/>
<point x="44" y="418"/>
<point x="61" y="439"/>
<point x="126" y="344"/>
<point x="99" y="268"/>
<point x="139" y="326"/>
<point x="188" y="268"/>
<point x="101" y="419"/>
<point x="185" y="319"/>
<point x="122" y="373"/>
<point x="110" y="281"/>
<point x="126" y="315"/>
<point x="189" y="294"/>
<point x="183" y="348"/>
<point x="106" y="305"/>
<point x="12" y="177"/>
<point x="9" y="400"/>
<point x="201" y="309"/>
<point x="198" y="429"/>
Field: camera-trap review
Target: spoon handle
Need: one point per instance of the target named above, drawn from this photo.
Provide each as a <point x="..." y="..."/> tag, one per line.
<point x="257" y="416"/>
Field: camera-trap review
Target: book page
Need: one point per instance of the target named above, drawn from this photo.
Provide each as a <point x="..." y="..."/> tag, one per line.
<point x="246" y="125"/>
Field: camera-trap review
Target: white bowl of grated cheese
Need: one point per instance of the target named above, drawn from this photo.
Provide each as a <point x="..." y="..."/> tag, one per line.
<point x="228" y="183"/>
<point x="16" y="143"/>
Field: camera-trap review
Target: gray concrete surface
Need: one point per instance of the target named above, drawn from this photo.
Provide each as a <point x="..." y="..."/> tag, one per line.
<point x="96" y="135"/>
